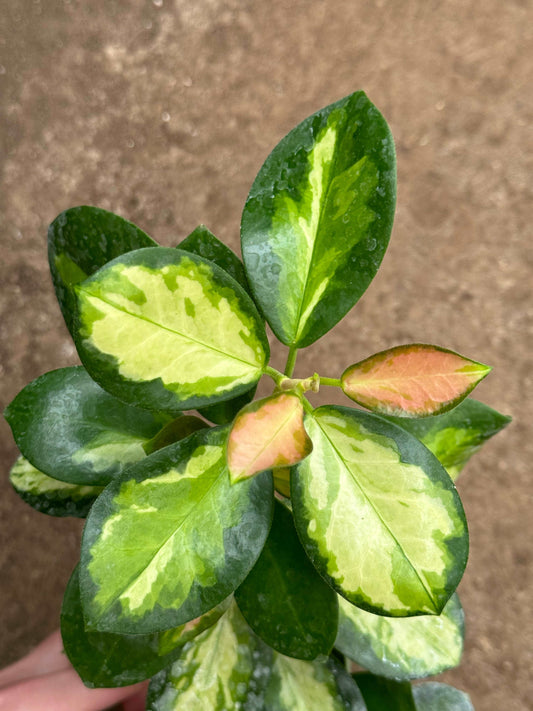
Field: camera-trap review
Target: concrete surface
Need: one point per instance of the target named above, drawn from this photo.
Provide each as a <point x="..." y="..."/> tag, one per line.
<point x="164" y="110"/>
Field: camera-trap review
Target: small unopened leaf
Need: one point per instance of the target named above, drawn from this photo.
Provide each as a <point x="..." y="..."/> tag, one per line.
<point x="223" y="669"/>
<point x="104" y="659"/>
<point x="455" y="436"/>
<point x="174" y="431"/>
<point x="402" y="647"/>
<point x="266" y="434"/>
<point x="176" y="535"/>
<point x="284" y="599"/>
<point x="166" y="330"/>
<point x="282" y="481"/>
<point x="378" y="515"/>
<point x="72" y="430"/>
<point x="434" y="696"/>
<point x="382" y="694"/>
<point x="412" y="381"/>
<point x="51" y="496"/>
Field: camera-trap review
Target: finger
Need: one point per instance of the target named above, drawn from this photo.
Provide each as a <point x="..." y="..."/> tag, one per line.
<point x="47" y="657"/>
<point x="61" y="691"/>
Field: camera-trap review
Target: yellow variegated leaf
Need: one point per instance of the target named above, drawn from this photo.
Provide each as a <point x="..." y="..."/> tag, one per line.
<point x="266" y="434"/>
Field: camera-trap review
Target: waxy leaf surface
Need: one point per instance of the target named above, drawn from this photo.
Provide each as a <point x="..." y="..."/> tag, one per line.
<point x="284" y="599"/>
<point x="72" y="430"/>
<point x="104" y="659"/>
<point x="167" y="330"/>
<point x="434" y="696"/>
<point x="51" y="496"/>
<point x="382" y="694"/>
<point x="171" y="538"/>
<point x="266" y="434"/>
<point x="412" y="381"/>
<point x="80" y="241"/>
<point x="378" y="515"/>
<point x="223" y="669"/>
<point x="318" y="217"/>
<point x="455" y="436"/>
<point x="403" y="647"/>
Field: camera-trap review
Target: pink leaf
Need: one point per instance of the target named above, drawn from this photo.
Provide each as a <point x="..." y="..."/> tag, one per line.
<point x="412" y="381"/>
<point x="266" y="434"/>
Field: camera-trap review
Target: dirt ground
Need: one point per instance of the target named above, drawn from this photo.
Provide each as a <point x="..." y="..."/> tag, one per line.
<point x="163" y="111"/>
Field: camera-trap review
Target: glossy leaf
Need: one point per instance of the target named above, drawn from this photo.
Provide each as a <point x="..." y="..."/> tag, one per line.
<point x="171" y="538"/>
<point x="174" y="431"/>
<point x="318" y="217"/>
<point x="80" y="241"/>
<point x="378" y="515"/>
<point x="284" y="600"/>
<point x="412" y="381"/>
<point x="50" y="496"/>
<point x="433" y="696"/>
<point x="104" y="659"/>
<point x="224" y="668"/>
<point x="402" y="648"/>
<point x="282" y="481"/>
<point x="382" y="694"/>
<point x="266" y="434"/>
<point x="167" y="330"/>
<point x="72" y="430"/>
<point x="455" y="436"/>
<point x="296" y="685"/>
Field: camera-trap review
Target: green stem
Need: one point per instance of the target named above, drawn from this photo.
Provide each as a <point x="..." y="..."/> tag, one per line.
<point x="334" y="382"/>
<point x="291" y="361"/>
<point x="307" y="405"/>
<point x="276" y="376"/>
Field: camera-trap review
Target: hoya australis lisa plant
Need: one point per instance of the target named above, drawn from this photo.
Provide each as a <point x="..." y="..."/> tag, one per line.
<point x="243" y="555"/>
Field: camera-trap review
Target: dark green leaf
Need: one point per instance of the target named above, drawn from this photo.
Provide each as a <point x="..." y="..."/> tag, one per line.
<point x="382" y="694"/>
<point x="103" y="659"/>
<point x="222" y="413"/>
<point x="174" y="431"/>
<point x="72" y="430"/>
<point x="317" y="221"/>
<point x="80" y="241"/>
<point x="172" y="538"/>
<point x="432" y="696"/>
<point x="284" y="600"/>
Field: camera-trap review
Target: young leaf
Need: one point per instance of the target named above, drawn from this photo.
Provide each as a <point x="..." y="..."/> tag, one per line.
<point x="455" y="436"/>
<point x="80" y="241"/>
<point x="317" y="221"/>
<point x="222" y="413"/>
<point x="402" y="648"/>
<point x="433" y="696"/>
<point x="171" y="538"/>
<point x="224" y="668"/>
<point x="167" y="330"/>
<point x="50" y="496"/>
<point x="412" y="381"/>
<point x="297" y="685"/>
<point x="282" y="481"/>
<point x="174" y="431"/>
<point x="385" y="694"/>
<point x="103" y="659"/>
<point x="284" y="600"/>
<point x="72" y="430"/>
<point x="266" y="434"/>
<point x="378" y="515"/>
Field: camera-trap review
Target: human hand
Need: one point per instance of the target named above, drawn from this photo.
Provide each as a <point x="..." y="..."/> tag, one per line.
<point x="44" y="680"/>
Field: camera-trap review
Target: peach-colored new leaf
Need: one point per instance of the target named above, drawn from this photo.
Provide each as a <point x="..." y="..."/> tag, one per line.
<point x="413" y="380"/>
<point x="266" y="434"/>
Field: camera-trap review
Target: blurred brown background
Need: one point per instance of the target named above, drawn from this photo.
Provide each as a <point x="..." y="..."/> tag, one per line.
<point x="163" y="111"/>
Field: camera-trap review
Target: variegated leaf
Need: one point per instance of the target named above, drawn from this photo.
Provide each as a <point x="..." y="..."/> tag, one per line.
<point x="72" y="430"/>
<point x="296" y="685"/>
<point x="382" y="694"/>
<point x="282" y="481"/>
<point x="174" y="431"/>
<point x="283" y="598"/>
<point x="80" y="241"/>
<point x="104" y="659"/>
<point x="412" y="381"/>
<point x="171" y="538"/>
<point x="455" y="436"/>
<point x="402" y="648"/>
<point x="266" y="434"/>
<point x="433" y="696"/>
<point x="317" y="221"/>
<point x="167" y="330"/>
<point x="223" y="669"/>
<point x="378" y="515"/>
<point x="51" y="496"/>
